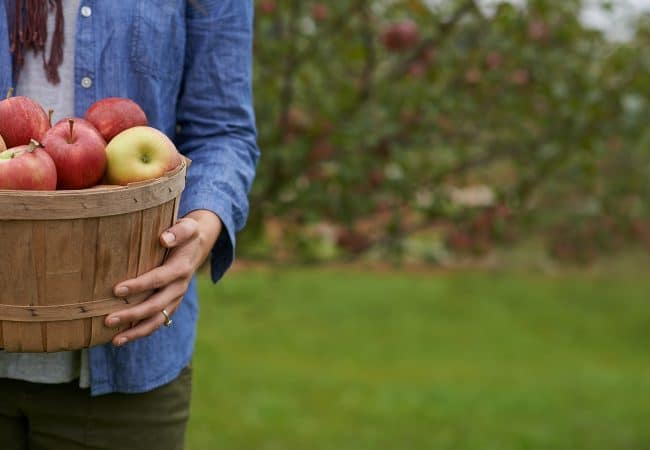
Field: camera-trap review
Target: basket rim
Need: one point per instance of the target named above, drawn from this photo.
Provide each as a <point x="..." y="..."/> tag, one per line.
<point x="93" y="202"/>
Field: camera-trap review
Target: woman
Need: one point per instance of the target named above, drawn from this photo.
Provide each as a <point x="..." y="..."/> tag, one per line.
<point x="188" y="64"/>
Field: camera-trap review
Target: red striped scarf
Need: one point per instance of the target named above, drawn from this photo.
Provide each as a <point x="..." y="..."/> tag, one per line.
<point x="28" y="31"/>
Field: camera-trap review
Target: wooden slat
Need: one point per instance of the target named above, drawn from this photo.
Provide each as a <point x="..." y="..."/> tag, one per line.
<point x="89" y="257"/>
<point x="99" y="202"/>
<point x="19" y="282"/>
<point x="63" y="282"/>
<point x="64" y="335"/>
<point x="113" y="249"/>
<point x="154" y="222"/>
<point x="23" y="337"/>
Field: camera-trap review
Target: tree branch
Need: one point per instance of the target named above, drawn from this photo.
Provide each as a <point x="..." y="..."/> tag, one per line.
<point x="290" y="66"/>
<point x="370" y="63"/>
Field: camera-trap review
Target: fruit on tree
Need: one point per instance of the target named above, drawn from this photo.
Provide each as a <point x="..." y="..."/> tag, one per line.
<point x="473" y="76"/>
<point x="400" y="36"/>
<point x="493" y="60"/>
<point x="320" y="12"/>
<point x="538" y="30"/>
<point x="267" y="7"/>
<point x="520" y="77"/>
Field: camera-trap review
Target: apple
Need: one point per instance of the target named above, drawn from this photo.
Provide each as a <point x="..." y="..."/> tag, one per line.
<point x="319" y="12"/>
<point x="400" y="36"/>
<point x="138" y="154"/>
<point x="21" y="119"/>
<point x="3" y="146"/>
<point x="27" y="167"/>
<point x="417" y="69"/>
<point x="520" y="77"/>
<point x="473" y="76"/>
<point x="113" y="115"/>
<point x="494" y="60"/>
<point x="78" y="152"/>
<point x="538" y="30"/>
<point x="267" y="7"/>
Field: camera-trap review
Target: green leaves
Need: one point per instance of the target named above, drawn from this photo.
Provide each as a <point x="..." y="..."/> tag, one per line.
<point x="524" y="98"/>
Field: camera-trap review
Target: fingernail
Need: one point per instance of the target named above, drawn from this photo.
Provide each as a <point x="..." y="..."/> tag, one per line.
<point x="168" y="237"/>
<point x="113" y="322"/>
<point x="122" y="341"/>
<point x="122" y="291"/>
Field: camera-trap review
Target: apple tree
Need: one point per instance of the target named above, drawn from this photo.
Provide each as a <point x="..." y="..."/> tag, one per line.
<point x="373" y="113"/>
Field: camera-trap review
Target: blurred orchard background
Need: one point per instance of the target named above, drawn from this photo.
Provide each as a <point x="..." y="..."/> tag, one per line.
<point x="450" y="231"/>
<point x="439" y="129"/>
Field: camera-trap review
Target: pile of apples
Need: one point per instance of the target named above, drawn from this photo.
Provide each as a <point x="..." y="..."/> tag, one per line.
<point x="111" y="145"/>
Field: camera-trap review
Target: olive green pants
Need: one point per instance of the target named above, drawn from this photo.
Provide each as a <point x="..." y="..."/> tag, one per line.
<point x="64" y="417"/>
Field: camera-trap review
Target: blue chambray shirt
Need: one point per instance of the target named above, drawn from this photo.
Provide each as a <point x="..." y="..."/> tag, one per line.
<point x="190" y="70"/>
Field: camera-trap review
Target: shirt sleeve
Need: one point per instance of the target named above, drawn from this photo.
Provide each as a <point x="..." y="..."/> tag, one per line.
<point x="216" y="121"/>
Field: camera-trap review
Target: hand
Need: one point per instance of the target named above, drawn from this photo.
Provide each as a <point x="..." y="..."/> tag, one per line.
<point x="190" y="241"/>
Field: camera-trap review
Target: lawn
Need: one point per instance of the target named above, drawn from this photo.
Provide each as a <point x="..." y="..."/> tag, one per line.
<point x="350" y="360"/>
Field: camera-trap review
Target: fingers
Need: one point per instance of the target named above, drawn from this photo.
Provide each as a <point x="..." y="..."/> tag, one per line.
<point x="174" y="269"/>
<point x="184" y="230"/>
<point x="150" y="307"/>
<point x="179" y="265"/>
<point x="169" y="281"/>
<point x="148" y="326"/>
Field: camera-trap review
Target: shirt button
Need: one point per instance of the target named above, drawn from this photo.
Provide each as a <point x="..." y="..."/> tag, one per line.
<point x="86" y="11"/>
<point x="86" y="82"/>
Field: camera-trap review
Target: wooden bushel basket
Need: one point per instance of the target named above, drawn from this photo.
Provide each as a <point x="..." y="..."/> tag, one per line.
<point x="62" y="253"/>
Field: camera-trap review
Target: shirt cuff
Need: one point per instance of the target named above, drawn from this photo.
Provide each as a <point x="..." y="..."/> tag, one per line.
<point x="223" y="252"/>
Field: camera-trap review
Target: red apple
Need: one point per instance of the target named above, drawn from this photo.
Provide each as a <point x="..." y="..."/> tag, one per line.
<point x="401" y="36"/>
<point x="78" y="151"/>
<point x="319" y="12"/>
<point x="520" y="77"/>
<point x="113" y="115"/>
<point x="473" y="75"/>
<point x="538" y="30"/>
<point x="27" y="167"/>
<point x="494" y="59"/>
<point x="22" y="119"/>
<point x="138" y="154"/>
<point x="417" y="69"/>
<point x="267" y="7"/>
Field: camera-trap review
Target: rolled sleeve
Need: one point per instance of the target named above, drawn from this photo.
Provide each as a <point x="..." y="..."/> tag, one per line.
<point x="216" y="120"/>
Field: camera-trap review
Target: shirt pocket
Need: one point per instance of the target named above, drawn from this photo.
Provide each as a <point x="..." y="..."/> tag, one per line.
<point x="158" y="47"/>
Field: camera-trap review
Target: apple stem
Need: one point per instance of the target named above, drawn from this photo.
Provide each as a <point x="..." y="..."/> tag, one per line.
<point x="50" y="113"/>
<point x="71" y="123"/>
<point x="10" y="92"/>
<point x="33" y="145"/>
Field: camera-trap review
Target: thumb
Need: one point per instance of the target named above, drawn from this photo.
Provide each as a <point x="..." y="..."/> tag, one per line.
<point x="184" y="230"/>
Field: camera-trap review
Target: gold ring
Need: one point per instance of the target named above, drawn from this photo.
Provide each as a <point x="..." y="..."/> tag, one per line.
<point x="168" y="321"/>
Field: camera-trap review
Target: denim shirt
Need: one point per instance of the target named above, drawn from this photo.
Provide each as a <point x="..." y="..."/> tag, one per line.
<point x="189" y="67"/>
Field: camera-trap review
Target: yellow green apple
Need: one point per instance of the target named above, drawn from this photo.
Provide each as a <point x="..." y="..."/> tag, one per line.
<point x="138" y="154"/>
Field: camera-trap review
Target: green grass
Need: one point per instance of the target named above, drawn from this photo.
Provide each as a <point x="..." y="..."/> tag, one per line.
<point x="334" y="359"/>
